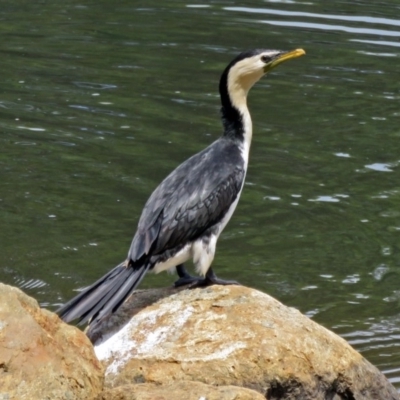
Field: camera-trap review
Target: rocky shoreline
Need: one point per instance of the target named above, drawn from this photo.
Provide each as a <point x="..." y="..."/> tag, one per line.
<point x="222" y="342"/>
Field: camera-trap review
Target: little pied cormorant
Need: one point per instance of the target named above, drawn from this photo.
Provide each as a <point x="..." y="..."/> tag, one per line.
<point x="185" y="215"/>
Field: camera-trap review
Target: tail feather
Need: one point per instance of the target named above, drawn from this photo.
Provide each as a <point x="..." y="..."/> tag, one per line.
<point x="125" y="290"/>
<point x="104" y="296"/>
<point x="92" y="306"/>
<point x="107" y="295"/>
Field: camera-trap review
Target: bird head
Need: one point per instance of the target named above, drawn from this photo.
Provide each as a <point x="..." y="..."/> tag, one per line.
<point x="248" y="67"/>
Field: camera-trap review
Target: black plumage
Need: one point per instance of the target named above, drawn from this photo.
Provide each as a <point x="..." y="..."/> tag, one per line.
<point x="191" y="200"/>
<point x="186" y="213"/>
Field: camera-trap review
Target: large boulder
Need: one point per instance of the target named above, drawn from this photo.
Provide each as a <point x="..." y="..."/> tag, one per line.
<point x="233" y="335"/>
<point x="40" y="356"/>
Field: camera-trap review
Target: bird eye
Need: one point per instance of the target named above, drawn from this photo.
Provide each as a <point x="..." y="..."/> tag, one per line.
<point x="264" y="59"/>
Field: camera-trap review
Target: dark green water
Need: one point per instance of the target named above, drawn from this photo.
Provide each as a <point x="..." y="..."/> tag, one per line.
<point x="99" y="101"/>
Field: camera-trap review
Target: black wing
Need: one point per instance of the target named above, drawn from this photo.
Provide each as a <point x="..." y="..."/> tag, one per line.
<point x="193" y="198"/>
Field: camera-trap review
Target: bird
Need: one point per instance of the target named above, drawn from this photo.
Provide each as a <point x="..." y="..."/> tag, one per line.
<point x="185" y="215"/>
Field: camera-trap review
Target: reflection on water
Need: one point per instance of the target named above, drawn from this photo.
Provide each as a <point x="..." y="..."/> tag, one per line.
<point x="94" y="115"/>
<point x="288" y="17"/>
<point x="358" y="19"/>
<point x="325" y="27"/>
<point x="378" y="43"/>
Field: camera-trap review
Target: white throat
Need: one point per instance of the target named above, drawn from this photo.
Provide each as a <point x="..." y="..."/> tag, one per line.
<point x="240" y="80"/>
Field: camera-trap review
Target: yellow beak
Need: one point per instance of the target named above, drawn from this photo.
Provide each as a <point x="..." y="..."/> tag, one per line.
<point x="284" y="57"/>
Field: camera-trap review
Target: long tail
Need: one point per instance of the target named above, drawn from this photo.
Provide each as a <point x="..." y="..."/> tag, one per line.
<point x="104" y="296"/>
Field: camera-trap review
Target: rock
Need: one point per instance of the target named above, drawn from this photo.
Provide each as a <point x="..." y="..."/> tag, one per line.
<point x="41" y="357"/>
<point x="233" y="335"/>
<point x="184" y="390"/>
<point x="139" y="300"/>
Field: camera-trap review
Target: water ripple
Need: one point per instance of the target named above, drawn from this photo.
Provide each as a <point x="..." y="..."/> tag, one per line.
<point x="16" y="106"/>
<point x="97" y="86"/>
<point x="97" y="110"/>
<point x="377" y="42"/>
<point x="30" y="284"/>
<point x="381" y="167"/>
<point x="326" y="27"/>
<point x="361" y="18"/>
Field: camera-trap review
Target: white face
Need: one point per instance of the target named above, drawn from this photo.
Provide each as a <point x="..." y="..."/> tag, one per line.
<point x="245" y="73"/>
<point x="254" y="65"/>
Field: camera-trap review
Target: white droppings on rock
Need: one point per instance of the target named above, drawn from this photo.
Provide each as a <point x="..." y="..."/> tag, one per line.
<point x="120" y="345"/>
<point x="154" y="338"/>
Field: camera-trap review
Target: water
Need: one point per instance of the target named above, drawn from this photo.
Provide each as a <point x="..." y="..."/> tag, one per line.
<point x="100" y="101"/>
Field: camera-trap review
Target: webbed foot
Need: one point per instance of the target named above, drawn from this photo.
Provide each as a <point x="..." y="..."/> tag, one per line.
<point x="184" y="277"/>
<point x="211" y="279"/>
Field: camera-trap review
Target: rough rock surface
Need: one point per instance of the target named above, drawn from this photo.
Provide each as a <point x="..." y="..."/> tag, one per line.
<point x="139" y="300"/>
<point x="237" y="336"/>
<point x="184" y="390"/>
<point x="41" y="357"/>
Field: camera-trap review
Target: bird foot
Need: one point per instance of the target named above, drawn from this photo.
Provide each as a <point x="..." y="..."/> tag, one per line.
<point x="208" y="282"/>
<point x="186" y="280"/>
<point x="184" y="277"/>
<point x="211" y="279"/>
<point x="197" y="282"/>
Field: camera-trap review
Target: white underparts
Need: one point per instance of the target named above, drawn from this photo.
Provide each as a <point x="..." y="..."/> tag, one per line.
<point x="201" y="251"/>
<point x="180" y="257"/>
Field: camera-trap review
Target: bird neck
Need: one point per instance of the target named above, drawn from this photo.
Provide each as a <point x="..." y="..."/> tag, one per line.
<point x="235" y="115"/>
